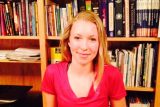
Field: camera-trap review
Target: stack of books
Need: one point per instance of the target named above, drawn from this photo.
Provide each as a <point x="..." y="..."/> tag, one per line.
<point x="3" y="53"/>
<point x="24" y="54"/>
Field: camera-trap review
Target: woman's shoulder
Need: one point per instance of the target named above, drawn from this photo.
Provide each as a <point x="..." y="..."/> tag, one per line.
<point x="57" y="66"/>
<point x="111" y="70"/>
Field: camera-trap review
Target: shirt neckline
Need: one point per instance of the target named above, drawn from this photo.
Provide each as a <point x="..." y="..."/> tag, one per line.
<point x="91" y="92"/>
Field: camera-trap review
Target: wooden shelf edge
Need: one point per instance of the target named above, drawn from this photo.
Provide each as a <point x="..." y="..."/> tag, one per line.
<point x="8" y="61"/>
<point x="127" y="39"/>
<point x="53" y="37"/>
<point x="20" y="37"/>
<point x="136" y="39"/>
<point x="140" y="89"/>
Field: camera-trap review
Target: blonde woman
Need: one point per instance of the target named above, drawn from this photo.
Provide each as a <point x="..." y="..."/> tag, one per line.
<point x="85" y="77"/>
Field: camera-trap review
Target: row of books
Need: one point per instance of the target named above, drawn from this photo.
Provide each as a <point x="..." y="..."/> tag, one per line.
<point x="122" y="18"/>
<point x="136" y="101"/>
<point x="137" y="65"/>
<point x="20" y="54"/>
<point x="18" y="18"/>
<point x="58" y="16"/>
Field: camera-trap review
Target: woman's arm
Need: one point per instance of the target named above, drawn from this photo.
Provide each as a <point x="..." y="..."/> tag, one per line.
<point x="118" y="103"/>
<point x="49" y="100"/>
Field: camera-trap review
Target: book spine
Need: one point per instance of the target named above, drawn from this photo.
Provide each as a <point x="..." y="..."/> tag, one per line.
<point x="33" y="19"/>
<point x="127" y="18"/>
<point x="155" y="18"/>
<point x="95" y="6"/>
<point x="24" y="23"/>
<point x="36" y="17"/>
<point x="58" y="20"/>
<point x="69" y="11"/>
<point x="145" y="18"/>
<point x="16" y="18"/>
<point x="81" y="5"/>
<point x="149" y="7"/>
<point x="2" y="21"/>
<point x="20" y="18"/>
<point x="75" y="7"/>
<point x="88" y="5"/>
<point x="56" y="55"/>
<point x="111" y="18"/>
<point x="11" y="18"/>
<point x="118" y="18"/>
<point x="132" y="17"/>
<point x="138" y="18"/>
<point x="27" y="17"/>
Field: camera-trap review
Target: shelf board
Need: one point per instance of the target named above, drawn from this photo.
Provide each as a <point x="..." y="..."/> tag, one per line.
<point x="53" y="37"/>
<point x="8" y="61"/>
<point x="117" y="38"/>
<point x="20" y="37"/>
<point x="127" y="39"/>
<point x="140" y="89"/>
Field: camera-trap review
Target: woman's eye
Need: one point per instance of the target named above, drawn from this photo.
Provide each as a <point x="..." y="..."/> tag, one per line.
<point x="93" y="39"/>
<point x="76" y="37"/>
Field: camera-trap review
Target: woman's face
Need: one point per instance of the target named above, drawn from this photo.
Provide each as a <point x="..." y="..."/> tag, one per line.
<point x="83" y="42"/>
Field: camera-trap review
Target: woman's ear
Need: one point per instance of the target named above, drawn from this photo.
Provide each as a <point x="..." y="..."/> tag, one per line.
<point x="69" y="44"/>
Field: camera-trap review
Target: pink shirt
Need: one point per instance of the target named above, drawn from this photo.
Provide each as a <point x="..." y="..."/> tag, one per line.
<point x="56" y="82"/>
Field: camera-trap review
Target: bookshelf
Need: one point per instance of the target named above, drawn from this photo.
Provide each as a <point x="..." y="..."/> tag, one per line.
<point x="122" y="42"/>
<point x="31" y="73"/>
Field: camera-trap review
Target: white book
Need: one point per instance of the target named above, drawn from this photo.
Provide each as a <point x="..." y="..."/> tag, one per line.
<point x="138" y="65"/>
<point x="127" y="18"/>
<point x="150" y="66"/>
<point x="28" y="51"/>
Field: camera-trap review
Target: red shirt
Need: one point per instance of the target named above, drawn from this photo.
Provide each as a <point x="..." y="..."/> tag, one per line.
<point x="56" y="82"/>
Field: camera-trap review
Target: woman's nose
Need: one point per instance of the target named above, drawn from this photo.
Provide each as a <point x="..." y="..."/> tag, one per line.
<point x="84" y="45"/>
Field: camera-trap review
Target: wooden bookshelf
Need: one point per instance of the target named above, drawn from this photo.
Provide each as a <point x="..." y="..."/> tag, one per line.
<point x="113" y="41"/>
<point x="31" y="73"/>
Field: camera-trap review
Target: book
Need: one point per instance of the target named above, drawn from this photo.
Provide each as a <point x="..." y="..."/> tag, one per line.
<point x="118" y="19"/>
<point x="155" y="18"/>
<point x="127" y="18"/>
<point x="81" y="5"/>
<point x="24" y="22"/>
<point x="95" y="6"/>
<point x="132" y="11"/>
<point x="88" y="5"/>
<point x="16" y="18"/>
<point x="111" y="18"/>
<point x="103" y="13"/>
<point x="56" y="55"/>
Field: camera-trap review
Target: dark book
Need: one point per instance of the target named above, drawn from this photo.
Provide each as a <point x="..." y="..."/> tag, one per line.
<point x="16" y="18"/>
<point x="103" y="13"/>
<point x="132" y="17"/>
<point x="111" y="18"/>
<point x="95" y="6"/>
<point x="118" y="18"/>
<point x="81" y="5"/>
<point x="155" y="18"/>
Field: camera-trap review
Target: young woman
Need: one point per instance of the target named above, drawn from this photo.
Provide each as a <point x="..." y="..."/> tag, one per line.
<point x="84" y="78"/>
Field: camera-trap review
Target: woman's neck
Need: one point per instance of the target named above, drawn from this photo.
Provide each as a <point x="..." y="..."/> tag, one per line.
<point x="81" y="69"/>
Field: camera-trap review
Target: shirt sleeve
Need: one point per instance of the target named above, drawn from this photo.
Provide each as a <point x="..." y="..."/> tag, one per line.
<point x="48" y="81"/>
<point x="116" y="89"/>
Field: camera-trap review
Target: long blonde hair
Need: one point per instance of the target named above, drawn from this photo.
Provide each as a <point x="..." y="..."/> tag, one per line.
<point x="102" y="55"/>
